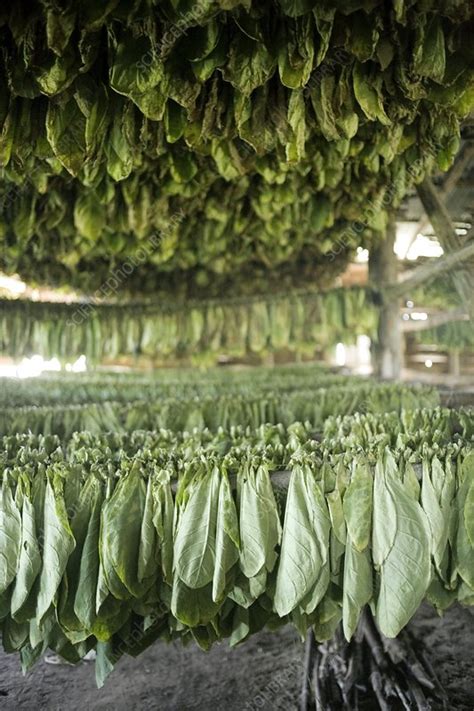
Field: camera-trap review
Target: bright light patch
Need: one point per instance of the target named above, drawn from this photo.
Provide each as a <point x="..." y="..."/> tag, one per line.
<point x="80" y="366"/>
<point x="34" y="366"/>
<point x="410" y="246"/>
<point x="30" y="367"/>
<point x="12" y="284"/>
<point x="403" y="239"/>
<point x="8" y="371"/>
<point x="419" y="316"/>
<point x="340" y="354"/>
<point x="363" y="354"/>
<point x="362" y="255"/>
<point x="424" y="247"/>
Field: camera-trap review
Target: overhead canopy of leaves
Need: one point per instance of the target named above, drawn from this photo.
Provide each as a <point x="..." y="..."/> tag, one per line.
<point x="269" y="128"/>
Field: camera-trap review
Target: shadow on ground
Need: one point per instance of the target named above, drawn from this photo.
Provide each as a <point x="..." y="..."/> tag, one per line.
<point x="263" y="673"/>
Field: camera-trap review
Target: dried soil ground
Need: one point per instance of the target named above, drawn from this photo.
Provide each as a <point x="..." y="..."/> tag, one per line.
<point x="263" y="673"/>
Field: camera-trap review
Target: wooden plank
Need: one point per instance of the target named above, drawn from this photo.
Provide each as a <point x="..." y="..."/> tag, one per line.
<point x="427" y="272"/>
<point x="434" y="320"/>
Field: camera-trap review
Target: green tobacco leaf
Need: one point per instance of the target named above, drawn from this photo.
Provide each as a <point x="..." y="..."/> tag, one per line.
<point x="30" y="557"/>
<point x="324" y="17"/>
<point x="303" y="554"/>
<point x="295" y="150"/>
<point x="260" y="527"/>
<point x="89" y="215"/>
<point x="106" y="660"/>
<point x="193" y="606"/>
<point x="368" y="92"/>
<point x="119" y="148"/>
<point x="10" y="536"/>
<point x="240" y="626"/>
<point x="358" y="586"/>
<point x="201" y="41"/>
<point x="195" y="543"/>
<point x="463" y="547"/>
<point x="249" y="64"/>
<point x="437" y="519"/>
<point x="295" y="8"/>
<point x="87" y="583"/>
<point x="163" y="522"/>
<point x="410" y="481"/>
<point x="58" y="544"/>
<point x="65" y="131"/>
<point x="429" y="53"/>
<point x="296" y="54"/>
<point x="328" y="615"/>
<point x="322" y="99"/>
<point x="136" y="66"/>
<point x="439" y="596"/>
<point x="336" y="513"/>
<point x="121" y="525"/>
<point x="147" y="549"/>
<point x="384" y="525"/>
<point x="364" y="35"/>
<point x="405" y="573"/>
<point x="59" y="28"/>
<point x="357" y="506"/>
<point x="247" y="590"/>
<point x="468" y="473"/>
<point x="227" y="538"/>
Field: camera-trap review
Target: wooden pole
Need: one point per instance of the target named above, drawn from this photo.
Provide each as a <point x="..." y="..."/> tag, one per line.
<point x="434" y="320"/>
<point x="463" y="279"/>
<point x="430" y="270"/>
<point x="452" y="179"/>
<point x="387" y="350"/>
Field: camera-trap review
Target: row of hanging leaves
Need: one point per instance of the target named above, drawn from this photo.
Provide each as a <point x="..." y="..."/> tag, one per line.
<point x="120" y="540"/>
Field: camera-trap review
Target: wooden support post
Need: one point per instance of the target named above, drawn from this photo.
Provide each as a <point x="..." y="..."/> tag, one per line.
<point x="383" y="267"/>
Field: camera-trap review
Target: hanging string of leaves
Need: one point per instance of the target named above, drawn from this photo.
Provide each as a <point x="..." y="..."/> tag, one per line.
<point x="212" y="411"/>
<point x="232" y="327"/>
<point x="100" y="548"/>
<point x="455" y="335"/>
<point x="96" y="386"/>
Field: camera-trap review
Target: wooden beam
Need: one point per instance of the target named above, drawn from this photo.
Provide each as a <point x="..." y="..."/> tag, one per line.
<point x="463" y="280"/>
<point x="434" y="320"/>
<point x="451" y="181"/>
<point x="428" y="271"/>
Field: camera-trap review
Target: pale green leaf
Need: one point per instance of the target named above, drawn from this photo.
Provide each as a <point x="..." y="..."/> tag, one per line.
<point x="405" y="573"/>
<point x="357" y="589"/>
<point x="195" y="543"/>
<point x="357" y="506"/>
<point x="10" y="536"/>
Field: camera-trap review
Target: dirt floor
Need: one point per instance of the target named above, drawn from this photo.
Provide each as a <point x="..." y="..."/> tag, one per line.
<point x="264" y="673"/>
